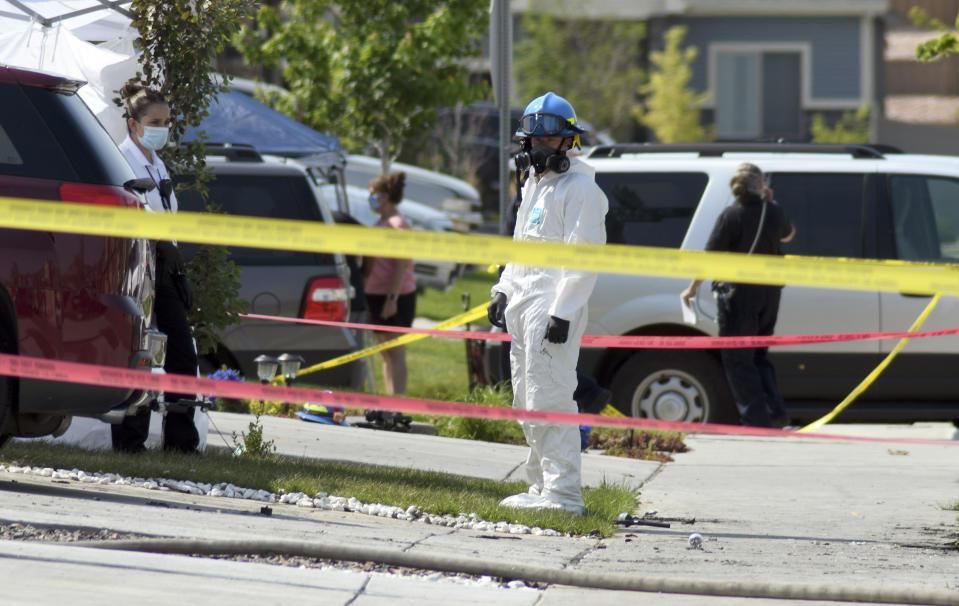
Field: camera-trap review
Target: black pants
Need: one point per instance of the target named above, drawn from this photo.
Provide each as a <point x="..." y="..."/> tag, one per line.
<point x="749" y="311"/>
<point x="179" y="429"/>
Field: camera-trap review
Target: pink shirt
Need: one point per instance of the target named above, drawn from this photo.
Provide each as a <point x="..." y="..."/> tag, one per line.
<point x="379" y="280"/>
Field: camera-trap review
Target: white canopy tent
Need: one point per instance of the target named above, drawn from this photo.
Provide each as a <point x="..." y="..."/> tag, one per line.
<point x="89" y="20"/>
<point x="57" y="36"/>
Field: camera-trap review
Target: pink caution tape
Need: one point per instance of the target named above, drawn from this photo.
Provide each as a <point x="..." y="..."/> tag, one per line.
<point x="90" y="374"/>
<point x="641" y="341"/>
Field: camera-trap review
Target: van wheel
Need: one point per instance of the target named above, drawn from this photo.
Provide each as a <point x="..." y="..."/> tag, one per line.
<point x="673" y="386"/>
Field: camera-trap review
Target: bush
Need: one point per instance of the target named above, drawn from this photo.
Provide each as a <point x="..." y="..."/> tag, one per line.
<point x="504" y="432"/>
<point x="251" y="444"/>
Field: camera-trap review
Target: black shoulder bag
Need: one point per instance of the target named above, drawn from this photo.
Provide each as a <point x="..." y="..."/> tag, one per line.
<point x="724" y="290"/>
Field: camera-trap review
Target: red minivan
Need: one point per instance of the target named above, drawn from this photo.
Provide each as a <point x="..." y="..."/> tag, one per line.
<point x="67" y="296"/>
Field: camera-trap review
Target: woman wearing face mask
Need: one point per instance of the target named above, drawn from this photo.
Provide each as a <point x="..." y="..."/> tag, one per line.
<point x="390" y="284"/>
<point x="148" y="128"/>
<point x="148" y="118"/>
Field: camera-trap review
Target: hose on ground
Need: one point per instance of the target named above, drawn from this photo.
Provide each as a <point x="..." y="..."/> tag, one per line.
<point x="506" y="570"/>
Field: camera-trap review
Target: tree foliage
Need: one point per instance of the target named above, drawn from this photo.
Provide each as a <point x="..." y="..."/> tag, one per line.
<point x="671" y="108"/>
<point x="593" y="64"/>
<point x="852" y="127"/>
<point x="179" y="41"/>
<point x="372" y="73"/>
<point x="946" y="44"/>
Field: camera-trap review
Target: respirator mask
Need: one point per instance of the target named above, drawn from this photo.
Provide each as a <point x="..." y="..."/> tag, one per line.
<point x="541" y="157"/>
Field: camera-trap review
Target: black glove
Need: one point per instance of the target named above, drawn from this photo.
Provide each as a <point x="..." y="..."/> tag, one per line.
<point x="557" y="330"/>
<point x="496" y="312"/>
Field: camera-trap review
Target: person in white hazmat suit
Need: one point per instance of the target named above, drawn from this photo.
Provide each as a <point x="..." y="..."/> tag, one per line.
<point x="544" y="309"/>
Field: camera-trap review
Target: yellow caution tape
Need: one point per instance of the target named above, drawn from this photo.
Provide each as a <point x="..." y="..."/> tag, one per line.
<point x="209" y="228"/>
<point x="477" y="312"/>
<point x="855" y="393"/>
<point x="611" y="411"/>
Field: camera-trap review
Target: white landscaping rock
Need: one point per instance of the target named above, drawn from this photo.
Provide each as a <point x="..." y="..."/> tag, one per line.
<point x="321" y="500"/>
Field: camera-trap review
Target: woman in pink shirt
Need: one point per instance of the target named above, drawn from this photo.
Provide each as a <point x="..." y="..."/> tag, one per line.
<point x="389" y="283"/>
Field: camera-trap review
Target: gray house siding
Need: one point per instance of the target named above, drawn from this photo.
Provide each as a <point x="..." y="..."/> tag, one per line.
<point x="834" y="44"/>
<point x="767" y="76"/>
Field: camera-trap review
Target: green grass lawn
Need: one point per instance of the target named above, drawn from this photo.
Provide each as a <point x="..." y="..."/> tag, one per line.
<point x="433" y="492"/>
<point x="439" y="305"/>
<point x="437" y="366"/>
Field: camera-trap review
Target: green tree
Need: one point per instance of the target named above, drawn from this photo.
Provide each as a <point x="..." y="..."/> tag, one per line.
<point x="671" y="108"/>
<point x="593" y="64"/>
<point x="178" y="45"/>
<point x="372" y="73"/>
<point x="946" y="44"/>
<point x="852" y="127"/>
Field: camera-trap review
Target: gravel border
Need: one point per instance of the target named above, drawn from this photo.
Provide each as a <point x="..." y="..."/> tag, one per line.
<point x="321" y="500"/>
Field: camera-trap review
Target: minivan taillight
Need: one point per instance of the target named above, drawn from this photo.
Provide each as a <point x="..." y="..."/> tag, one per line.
<point x="102" y="195"/>
<point x="326" y="299"/>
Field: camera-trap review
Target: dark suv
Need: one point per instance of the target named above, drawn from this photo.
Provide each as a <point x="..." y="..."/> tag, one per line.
<point x="67" y="296"/>
<point x="278" y="282"/>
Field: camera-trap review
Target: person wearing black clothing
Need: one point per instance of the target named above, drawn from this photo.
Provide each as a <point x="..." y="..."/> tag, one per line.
<point x="148" y="118"/>
<point x="754" y="223"/>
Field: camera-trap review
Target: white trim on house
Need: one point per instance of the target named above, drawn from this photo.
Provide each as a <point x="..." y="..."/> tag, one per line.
<point x="805" y="68"/>
<point x="778" y="8"/>
<point x="867" y="59"/>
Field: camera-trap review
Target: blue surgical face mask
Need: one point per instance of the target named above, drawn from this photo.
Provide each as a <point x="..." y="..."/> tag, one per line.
<point x="154" y="137"/>
<point x="375" y="202"/>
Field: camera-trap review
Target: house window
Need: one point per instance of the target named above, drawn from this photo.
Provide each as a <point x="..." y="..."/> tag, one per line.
<point x="757" y="94"/>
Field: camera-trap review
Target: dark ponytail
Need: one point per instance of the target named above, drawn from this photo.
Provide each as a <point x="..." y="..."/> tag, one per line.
<point x="137" y="98"/>
<point x="392" y="185"/>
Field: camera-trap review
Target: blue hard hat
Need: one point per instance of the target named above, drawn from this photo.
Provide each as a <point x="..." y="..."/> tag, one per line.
<point x="548" y="116"/>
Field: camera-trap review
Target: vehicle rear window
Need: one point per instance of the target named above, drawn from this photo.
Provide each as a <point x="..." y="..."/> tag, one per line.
<point x="27" y="147"/>
<point x="268" y="196"/>
<point x="650" y="209"/>
<point x="825" y="209"/>
<point x="52" y="135"/>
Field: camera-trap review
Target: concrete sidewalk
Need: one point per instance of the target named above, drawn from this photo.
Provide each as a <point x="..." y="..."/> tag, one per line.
<point x="830" y="515"/>
<point x="841" y="513"/>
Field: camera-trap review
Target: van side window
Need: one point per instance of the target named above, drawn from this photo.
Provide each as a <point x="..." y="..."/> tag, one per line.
<point x="925" y="217"/>
<point x="265" y="196"/>
<point x="650" y="209"/>
<point x="825" y="209"/>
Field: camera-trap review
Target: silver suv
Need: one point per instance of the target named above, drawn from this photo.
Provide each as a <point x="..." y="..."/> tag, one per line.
<point x="311" y="285"/>
<point x="867" y="202"/>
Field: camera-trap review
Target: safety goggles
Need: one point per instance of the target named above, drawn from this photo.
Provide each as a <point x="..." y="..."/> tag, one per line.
<point x="543" y="125"/>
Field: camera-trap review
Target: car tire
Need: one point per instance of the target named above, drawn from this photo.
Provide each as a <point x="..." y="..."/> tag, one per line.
<point x="685" y="386"/>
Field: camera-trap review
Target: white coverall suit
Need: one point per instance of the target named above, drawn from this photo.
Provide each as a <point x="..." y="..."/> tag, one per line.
<point x="558" y="207"/>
